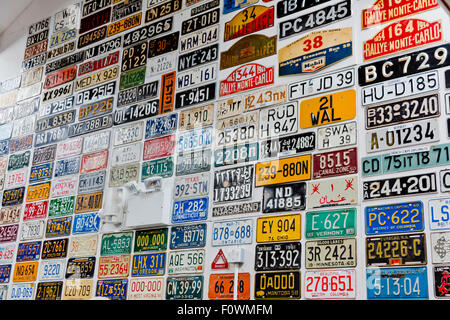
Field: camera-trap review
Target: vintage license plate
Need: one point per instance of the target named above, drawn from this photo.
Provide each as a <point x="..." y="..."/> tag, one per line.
<point x="394" y="218"/>
<point x="49" y="290"/>
<point x="167" y="92"/>
<point x="230" y="107"/>
<point x="95" y="20"/>
<point x="199" y="38"/>
<point x="278" y="228"/>
<point x="113" y="289"/>
<point x="31" y="230"/>
<point x="60" y="77"/>
<point x="230" y="6"/>
<point x="96" y="142"/>
<point x="221" y="286"/>
<point x="116" y="243"/>
<point x="61" y="206"/>
<point x="196" y="117"/>
<point x="21" y="291"/>
<point x="92" y="182"/>
<point x="265" y="97"/>
<point x="201" y="21"/>
<point x="28" y="251"/>
<point x="5" y="273"/>
<point x="181" y="288"/>
<point x="202" y="7"/>
<point x="400" y="186"/>
<point x="12" y="215"/>
<point x="94" y="6"/>
<point x="315" y="19"/>
<point x="97" y="78"/>
<point x="65" y="149"/>
<point x="191" y="186"/>
<point x="19" y="160"/>
<point x="52" y="108"/>
<point x="134" y="56"/>
<point x="125" y="9"/>
<point x="13" y="197"/>
<point x="186" y="261"/>
<point x="283" y="170"/>
<point x="39" y="26"/>
<point x="438" y="210"/>
<point x="396" y="250"/>
<point x="121" y="175"/>
<point x="86" y="223"/>
<point x="126" y="154"/>
<point x="65" y="62"/>
<point x="190" y="210"/>
<point x="196" y="76"/>
<point x="440" y="244"/>
<point x="278" y="256"/>
<point x="44" y="154"/>
<point x="92" y="37"/>
<point x="332" y="253"/>
<point x="117" y="266"/>
<point x="25" y="271"/>
<point x="59" y="92"/>
<point x="445" y="180"/>
<point x="55" y="248"/>
<point x="163" y="45"/>
<point x="162" y="63"/>
<point x="51" y="136"/>
<point x="277" y="285"/>
<point x="150" y="288"/>
<point x="341" y="135"/>
<point x="195" y="96"/>
<point x="193" y="162"/>
<point x="67" y="167"/>
<point x="188" y="236"/>
<point x="15" y="179"/>
<point x="335" y="163"/>
<point x="78" y="289"/>
<point x="26" y="108"/>
<point x="285" y="146"/>
<point x="34" y="210"/>
<point x="159" y="147"/>
<point x="404" y="135"/>
<point x="162" y="167"/>
<point x="251" y="19"/>
<point x="96" y="93"/>
<point x="91" y="125"/>
<point x="63" y="37"/>
<point x="233" y="184"/>
<point x="137" y="94"/>
<point x="332" y="223"/>
<point x="94" y="161"/>
<point x="61" y="50"/>
<point x="80" y="268"/>
<point x="22" y="143"/>
<point x="330" y="284"/>
<point x="37" y="37"/>
<point x="38" y="192"/>
<point x="89" y="202"/>
<point x="279" y="120"/>
<point x="64" y="186"/>
<point x="238" y="129"/>
<point x="7" y="253"/>
<point x="29" y="92"/>
<point x="236" y="154"/>
<point x="333" y="192"/>
<point x="151" y="240"/>
<point x="129" y="133"/>
<point x="100" y="63"/>
<point x="162" y="10"/>
<point x="397" y="283"/>
<point x="148" y="31"/>
<point x="125" y="24"/>
<point x="136" y="112"/>
<point x="83" y="246"/>
<point x="4" y="147"/>
<point x="51" y="270"/>
<point x="286" y="197"/>
<point x="194" y="139"/>
<point x="34" y="62"/>
<point x="148" y="264"/>
<point x="58" y="227"/>
<point x="284" y="8"/>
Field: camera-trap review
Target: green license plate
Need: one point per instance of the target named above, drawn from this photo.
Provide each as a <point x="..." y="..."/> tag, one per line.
<point x="331" y="223"/>
<point x="116" y="243"/>
<point x="61" y="206"/>
<point x="132" y="78"/>
<point x="160" y="167"/>
<point x="150" y="240"/>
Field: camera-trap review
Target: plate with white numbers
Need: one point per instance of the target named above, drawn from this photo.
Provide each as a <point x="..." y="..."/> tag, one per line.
<point x="233" y="232"/>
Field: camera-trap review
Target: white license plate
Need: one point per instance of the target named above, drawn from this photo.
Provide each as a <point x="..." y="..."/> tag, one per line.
<point x="445" y="180"/>
<point x="7" y="253"/>
<point x="129" y="133"/>
<point x="233" y="232"/>
<point x="194" y="139"/>
<point x="161" y="64"/>
<point x="23" y="126"/>
<point x="96" y="142"/>
<point x="230" y="107"/>
<point x="22" y="291"/>
<point x="186" y="261"/>
<point x="64" y="186"/>
<point x="52" y="270"/>
<point x="30" y="91"/>
<point x="279" y="120"/>
<point x="330" y="284"/>
<point x="332" y="192"/>
<point x="199" y="38"/>
<point x="196" y="117"/>
<point x="16" y="178"/>
<point x="341" y="135"/>
<point x="191" y="186"/>
<point x="126" y="154"/>
<point x="440" y="244"/>
<point x="401" y="136"/>
<point x="438" y="210"/>
<point x="69" y="148"/>
<point x="32" y="230"/>
<point x="400" y="88"/>
<point x="237" y="130"/>
<point x="83" y="246"/>
<point x="196" y="76"/>
<point x="147" y="288"/>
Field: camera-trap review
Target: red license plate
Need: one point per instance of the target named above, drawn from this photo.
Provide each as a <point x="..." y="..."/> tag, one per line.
<point x="94" y="161"/>
<point x="159" y="147"/>
<point x="35" y="210"/>
<point x="335" y="163"/>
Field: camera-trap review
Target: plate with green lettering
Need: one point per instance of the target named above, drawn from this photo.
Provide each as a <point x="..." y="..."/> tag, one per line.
<point x="331" y="223"/>
<point x="116" y="243"/>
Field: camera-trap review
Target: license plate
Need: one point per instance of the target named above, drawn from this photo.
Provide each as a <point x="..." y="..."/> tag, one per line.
<point x="236" y="154"/>
<point x="94" y="6"/>
<point x="18" y="160"/>
<point x="28" y="251"/>
<point x="333" y="192"/>
<point x="134" y="56"/>
<point x="181" y="288"/>
<point x="78" y="289"/>
<point x="55" y="248"/>
<point x="194" y="139"/>
<point x="58" y="227"/>
<point x="162" y="10"/>
<point x="125" y="24"/>
<point x="162" y="167"/>
<point x="44" y="154"/>
<point x="83" y="246"/>
<point x="97" y="78"/>
<point x="333" y="223"/>
<point x="37" y="37"/>
<point x="129" y="133"/>
<point x="148" y="31"/>
<point x="16" y="178"/>
<point x="125" y="9"/>
<point x="65" y="62"/>
<point x="126" y="154"/>
<point x="104" y="47"/>
<point x="200" y="21"/>
<point x="195" y="96"/>
<point x="230" y="107"/>
<point x="24" y="143"/>
<point x="89" y="202"/>
<point x="190" y="236"/>
<point x="25" y="271"/>
<point x="95" y="20"/>
<point x="13" y="197"/>
<point x="196" y="117"/>
<point x="7" y="253"/>
<point x="137" y="94"/>
<point x="445" y="180"/>
<point x="440" y="244"/>
<point x="265" y="97"/>
<point x="116" y="243"/>
<point x="221" y="286"/>
<point x="52" y="270"/>
<point x="150" y="288"/>
<point x="113" y="289"/>
<point x="277" y="285"/>
<point x="191" y="186"/>
<point x="80" y="268"/>
<point x="62" y="37"/>
<point x="60" y="77"/>
<point x="284" y="146"/>
<point x="32" y="230"/>
<point x="287" y="197"/>
<point x="162" y="63"/>
<point x="330" y="284"/>
<point x="35" y="210"/>
<point x="117" y="266"/>
<point x="67" y="167"/>
<point x="335" y="163"/>
<point x="167" y="92"/>
<point x="196" y="76"/>
<point x="200" y="38"/>
<point x="52" y="108"/>
<point x="278" y="256"/>
<point x="62" y="91"/>
<point x="94" y="161"/>
<point x="340" y="135"/>
<point x="91" y="37"/>
<point x="94" y="94"/>
<point x="441" y="284"/>
<point x="331" y="253"/>
<point x="61" y="50"/>
<point x="278" y="228"/>
<point x="400" y="186"/>
<point x="249" y="20"/>
<point x="86" y="223"/>
<point x="400" y="88"/>
<point x="233" y="184"/>
<point x="64" y="186"/>
<point x="96" y="142"/>
<point x="5" y="273"/>
<point x="100" y="63"/>
<point x="121" y="175"/>
<point x="284" y="9"/>
<point x="283" y="170"/>
<point x="438" y="210"/>
<point x="38" y="192"/>
<point x="151" y="240"/>
<point x="397" y="283"/>
<point x="29" y="92"/>
<point x="49" y="290"/>
<point x="396" y="250"/>
<point x="190" y="210"/>
<point x="51" y="136"/>
<point x="12" y="214"/>
<point x="148" y="264"/>
<point x="160" y="126"/>
<point x="163" y="45"/>
<point x="238" y="129"/>
<point x="22" y="127"/>
<point x="4" y="146"/>
<point x="28" y="107"/>
<point x="92" y="182"/>
<point x="61" y="206"/>
<point x="279" y="120"/>
<point x="34" y="62"/>
<point x="394" y="218"/>
<point x="193" y="162"/>
<point x="136" y="112"/>
<point x="91" y="125"/>
<point x="20" y="291"/>
<point x="315" y="19"/>
<point x="186" y="261"/>
<point x="328" y="109"/>
<point x="39" y="26"/>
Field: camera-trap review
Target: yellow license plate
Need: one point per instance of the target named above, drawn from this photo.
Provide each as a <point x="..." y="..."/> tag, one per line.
<point x="25" y="271"/>
<point x="78" y="289"/>
<point x="96" y="78"/>
<point x="329" y="108"/>
<point x="124" y="24"/>
<point x="38" y="192"/>
<point x="89" y="202"/>
<point x="283" y="170"/>
<point x="279" y="228"/>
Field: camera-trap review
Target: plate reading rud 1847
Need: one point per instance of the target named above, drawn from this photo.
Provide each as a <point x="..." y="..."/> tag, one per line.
<point x="233" y="184"/>
<point x="333" y="253"/>
<point x="284" y="197"/>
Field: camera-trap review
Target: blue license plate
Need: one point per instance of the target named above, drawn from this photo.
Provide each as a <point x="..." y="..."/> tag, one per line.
<point x="41" y="172"/>
<point x="194" y="140"/>
<point x="161" y="126"/>
<point x="192" y="236"/>
<point x="113" y="289"/>
<point x="152" y="264"/>
<point x="28" y="251"/>
<point x="397" y="283"/>
<point x="4" y="147"/>
<point x="394" y="218"/>
<point x="58" y="227"/>
<point x="67" y="167"/>
<point x="86" y="223"/>
<point x="5" y="273"/>
<point x="190" y="210"/>
<point x="232" y="5"/>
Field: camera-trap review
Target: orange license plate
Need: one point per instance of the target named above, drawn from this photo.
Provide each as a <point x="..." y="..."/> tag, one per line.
<point x="221" y="286"/>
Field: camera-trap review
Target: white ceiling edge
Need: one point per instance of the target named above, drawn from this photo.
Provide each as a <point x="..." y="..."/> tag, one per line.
<point x="10" y="10"/>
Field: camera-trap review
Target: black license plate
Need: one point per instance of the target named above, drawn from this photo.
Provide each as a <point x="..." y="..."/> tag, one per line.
<point x="400" y="186"/>
<point x="44" y="154"/>
<point x="97" y="93"/>
<point x="12" y="197"/>
<point x="125" y="9"/>
<point x="49" y="290"/>
<point x="57" y="120"/>
<point x="136" y="94"/>
<point x="163" y="45"/>
<point x="91" y="37"/>
<point x="201" y="21"/>
<point x="233" y="184"/>
<point x="95" y="20"/>
<point x="103" y="47"/>
<point x="65" y="62"/>
<point x="195" y="96"/>
<point x="405" y="65"/>
<point x="288" y="7"/>
<point x="441" y="281"/>
<point x="38" y="37"/>
<point x="149" y="31"/>
<point x="55" y="248"/>
<point x="34" y="62"/>
<point x="277" y="285"/>
<point x="193" y="162"/>
<point x="198" y="57"/>
<point x="288" y="145"/>
<point x="136" y="112"/>
<point x="80" y="268"/>
<point x="94" y="6"/>
<point x="90" y="125"/>
<point x="278" y="256"/>
<point x="134" y="57"/>
<point x="162" y="10"/>
<point x="396" y="250"/>
<point x="285" y="197"/>
<point x="57" y="106"/>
